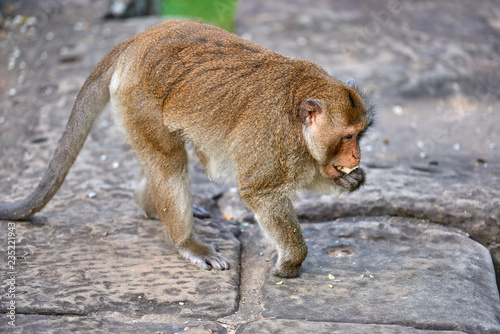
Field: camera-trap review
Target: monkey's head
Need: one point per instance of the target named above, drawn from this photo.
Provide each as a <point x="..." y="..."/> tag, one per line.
<point x="333" y="123"/>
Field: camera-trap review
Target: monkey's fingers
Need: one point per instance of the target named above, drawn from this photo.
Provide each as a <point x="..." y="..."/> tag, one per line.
<point x="352" y="181"/>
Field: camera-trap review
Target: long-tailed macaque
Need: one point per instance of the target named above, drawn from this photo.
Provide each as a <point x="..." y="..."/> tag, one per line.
<point x="276" y="124"/>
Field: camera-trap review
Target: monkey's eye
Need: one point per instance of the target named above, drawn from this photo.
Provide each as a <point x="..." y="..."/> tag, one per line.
<point x="349" y="137"/>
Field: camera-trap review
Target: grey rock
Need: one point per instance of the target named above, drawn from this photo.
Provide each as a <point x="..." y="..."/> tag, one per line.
<point x="390" y="272"/>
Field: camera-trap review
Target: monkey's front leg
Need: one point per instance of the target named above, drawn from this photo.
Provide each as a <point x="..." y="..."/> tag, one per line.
<point x="277" y="218"/>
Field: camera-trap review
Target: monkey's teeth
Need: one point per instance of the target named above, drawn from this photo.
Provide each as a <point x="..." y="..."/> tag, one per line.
<point x="346" y="170"/>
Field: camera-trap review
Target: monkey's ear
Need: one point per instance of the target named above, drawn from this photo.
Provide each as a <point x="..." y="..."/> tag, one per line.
<point x="309" y="110"/>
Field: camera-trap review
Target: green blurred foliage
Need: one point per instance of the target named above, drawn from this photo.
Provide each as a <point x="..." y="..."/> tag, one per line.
<point x="218" y="12"/>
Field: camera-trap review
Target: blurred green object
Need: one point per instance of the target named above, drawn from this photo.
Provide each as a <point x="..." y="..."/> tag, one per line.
<point x="218" y="12"/>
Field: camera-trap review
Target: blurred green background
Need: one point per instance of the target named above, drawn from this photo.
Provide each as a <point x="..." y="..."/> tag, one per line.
<point x="218" y="12"/>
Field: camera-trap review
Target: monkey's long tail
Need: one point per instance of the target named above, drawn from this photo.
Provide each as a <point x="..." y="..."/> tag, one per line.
<point x="89" y="103"/>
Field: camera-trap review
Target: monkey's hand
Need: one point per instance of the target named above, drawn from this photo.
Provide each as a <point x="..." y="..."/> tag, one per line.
<point x="352" y="181"/>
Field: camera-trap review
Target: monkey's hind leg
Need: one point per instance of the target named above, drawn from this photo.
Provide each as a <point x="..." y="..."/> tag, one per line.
<point x="170" y="191"/>
<point x="167" y="190"/>
<point x="142" y="196"/>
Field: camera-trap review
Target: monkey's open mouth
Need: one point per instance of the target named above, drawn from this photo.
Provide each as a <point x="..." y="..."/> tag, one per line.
<point x="346" y="170"/>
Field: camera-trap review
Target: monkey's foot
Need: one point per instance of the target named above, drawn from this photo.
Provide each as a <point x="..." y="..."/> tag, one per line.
<point x="204" y="256"/>
<point x="286" y="271"/>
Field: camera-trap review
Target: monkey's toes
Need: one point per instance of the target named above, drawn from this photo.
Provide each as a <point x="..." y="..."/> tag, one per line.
<point x="217" y="261"/>
<point x="286" y="271"/>
<point x="205" y="257"/>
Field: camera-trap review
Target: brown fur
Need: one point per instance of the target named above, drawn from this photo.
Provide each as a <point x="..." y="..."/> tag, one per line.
<point x="275" y="123"/>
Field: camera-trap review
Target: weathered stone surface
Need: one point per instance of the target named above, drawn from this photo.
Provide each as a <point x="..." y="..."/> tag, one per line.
<point x="32" y="324"/>
<point x="70" y="266"/>
<point x="462" y="196"/>
<point x="417" y="49"/>
<point x="389" y="272"/>
<point x="297" y="327"/>
<point x="84" y="262"/>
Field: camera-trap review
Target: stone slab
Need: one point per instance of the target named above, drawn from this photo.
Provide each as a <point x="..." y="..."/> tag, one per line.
<point x="86" y="263"/>
<point x="389" y="272"/>
<point x="298" y="327"/>
<point x="34" y="324"/>
<point x="460" y="195"/>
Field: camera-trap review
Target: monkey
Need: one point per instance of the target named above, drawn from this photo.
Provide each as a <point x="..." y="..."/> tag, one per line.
<point x="272" y="123"/>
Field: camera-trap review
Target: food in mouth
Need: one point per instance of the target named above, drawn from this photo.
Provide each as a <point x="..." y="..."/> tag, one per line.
<point x="346" y="170"/>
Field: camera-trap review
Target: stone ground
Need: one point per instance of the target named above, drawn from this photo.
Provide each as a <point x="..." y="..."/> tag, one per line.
<point x="412" y="252"/>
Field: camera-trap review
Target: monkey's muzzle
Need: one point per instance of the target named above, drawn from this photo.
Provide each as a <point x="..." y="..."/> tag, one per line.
<point x="345" y="170"/>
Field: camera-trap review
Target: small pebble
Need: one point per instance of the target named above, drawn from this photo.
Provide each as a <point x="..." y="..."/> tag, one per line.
<point x="12" y="92"/>
<point x="92" y="195"/>
<point x="16" y="53"/>
<point x="2" y="120"/>
<point x="456" y="147"/>
<point x="12" y="64"/>
<point x="181" y="303"/>
<point x="397" y="109"/>
<point x="32" y="20"/>
<point x="116" y="165"/>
